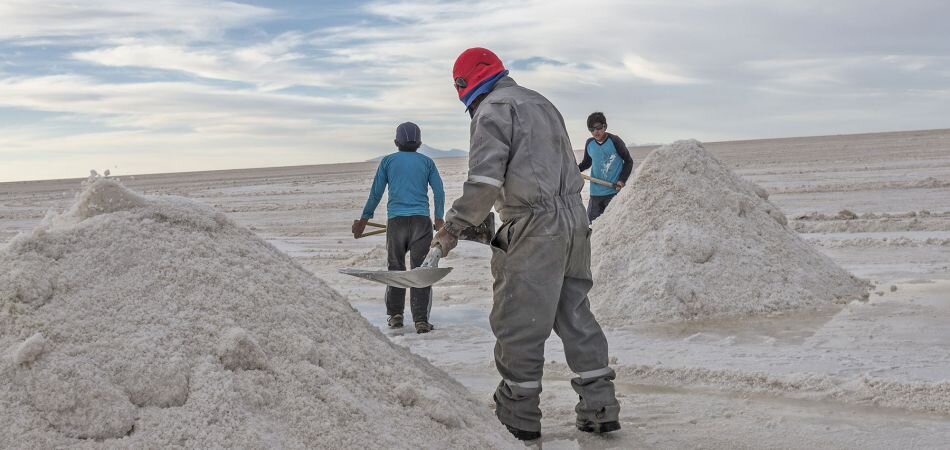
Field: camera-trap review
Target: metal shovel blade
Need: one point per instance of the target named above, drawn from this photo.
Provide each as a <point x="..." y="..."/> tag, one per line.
<point x="419" y="277"/>
<point x="429" y="272"/>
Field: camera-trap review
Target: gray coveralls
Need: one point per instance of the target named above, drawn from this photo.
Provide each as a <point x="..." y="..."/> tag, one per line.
<point x="522" y="162"/>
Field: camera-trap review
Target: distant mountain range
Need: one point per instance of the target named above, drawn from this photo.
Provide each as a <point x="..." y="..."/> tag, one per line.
<point x="435" y="153"/>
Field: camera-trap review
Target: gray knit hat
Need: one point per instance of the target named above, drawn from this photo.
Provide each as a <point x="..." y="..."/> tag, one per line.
<point x="408" y="136"/>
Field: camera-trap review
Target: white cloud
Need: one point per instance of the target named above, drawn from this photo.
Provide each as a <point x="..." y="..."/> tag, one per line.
<point x="802" y="72"/>
<point x="29" y="19"/>
<point x="156" y="127"/>
<point x="271" y="65"/>
<point x="654" y="72"/>
<point x="660" y="70"/>
<point x="848" y="76"/>
<point x="162" y="104"/>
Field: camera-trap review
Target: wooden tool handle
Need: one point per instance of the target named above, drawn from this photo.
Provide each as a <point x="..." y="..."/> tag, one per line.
<point x="377" y="225"/>
<point x="598" y="181"/>
<point x="372" y="233"/>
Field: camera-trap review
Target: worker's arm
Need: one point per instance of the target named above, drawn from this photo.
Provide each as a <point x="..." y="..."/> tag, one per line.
<point x="375" y="192"/>
<point x="586" y="162"/>
<point x="487" y="165"/>
<point x="438" y="195"/>
<point x="624" y="154"/>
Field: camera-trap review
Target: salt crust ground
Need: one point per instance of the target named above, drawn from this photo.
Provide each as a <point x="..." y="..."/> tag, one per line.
<point x="688" y="239"/>
<point x="131" y="321"/>
<point x="923" y="397"/>
<point x="741" y="409"/>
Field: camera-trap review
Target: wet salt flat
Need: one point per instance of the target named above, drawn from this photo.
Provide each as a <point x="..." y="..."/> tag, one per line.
<point x="867" y="375"/>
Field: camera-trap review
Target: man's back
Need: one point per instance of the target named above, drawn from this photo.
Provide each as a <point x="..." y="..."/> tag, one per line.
<point x="541" y="163"/>
<point x="408" y="175"/>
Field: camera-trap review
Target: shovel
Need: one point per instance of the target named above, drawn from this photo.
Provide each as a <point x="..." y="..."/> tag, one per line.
<point x="429" y="272"/>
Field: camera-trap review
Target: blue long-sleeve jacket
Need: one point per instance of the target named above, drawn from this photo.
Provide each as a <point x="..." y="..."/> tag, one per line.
<point x="408" y="175"/>
<point x="602" y="161"/>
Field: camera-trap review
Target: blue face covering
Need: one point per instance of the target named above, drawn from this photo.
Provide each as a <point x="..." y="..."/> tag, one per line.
<point x="483" y="87"/>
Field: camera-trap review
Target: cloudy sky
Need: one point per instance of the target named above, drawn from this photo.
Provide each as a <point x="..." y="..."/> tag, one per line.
<point x="182" y="85"/>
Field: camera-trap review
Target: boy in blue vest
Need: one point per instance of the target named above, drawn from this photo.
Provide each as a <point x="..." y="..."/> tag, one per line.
<point x="409" y="229"/>
<point x="608" y="159"/>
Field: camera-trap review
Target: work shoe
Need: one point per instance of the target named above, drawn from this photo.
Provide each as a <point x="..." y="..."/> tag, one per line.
<point x="597" y="427"/>
<point x="424" y="327"/>
<point x="395" y="321"/>
<point x="523" y="435"/>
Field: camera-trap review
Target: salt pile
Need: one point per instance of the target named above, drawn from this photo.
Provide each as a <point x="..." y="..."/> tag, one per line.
<point x="688" y="239"/>
<point x="132" y="321"/>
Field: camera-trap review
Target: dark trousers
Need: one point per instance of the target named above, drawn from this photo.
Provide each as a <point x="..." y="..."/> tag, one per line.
<point x="411" y="234"/>
<point x="597" y="205"/>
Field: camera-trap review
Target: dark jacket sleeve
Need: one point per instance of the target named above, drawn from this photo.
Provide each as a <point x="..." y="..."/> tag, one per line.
<point x="621" y="148"/>
<point x="586" y="163"/>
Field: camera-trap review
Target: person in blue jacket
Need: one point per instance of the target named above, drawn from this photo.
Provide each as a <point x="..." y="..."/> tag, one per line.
<point x="608" y="159"/>
<point x="409" y="228"/>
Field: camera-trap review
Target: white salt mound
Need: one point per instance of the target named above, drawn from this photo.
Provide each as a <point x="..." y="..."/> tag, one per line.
<point x="132" y="321"/>
<point x="688" y="239"/>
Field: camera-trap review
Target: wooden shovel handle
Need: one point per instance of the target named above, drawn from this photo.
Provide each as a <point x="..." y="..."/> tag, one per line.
<point x="598" y="181"/>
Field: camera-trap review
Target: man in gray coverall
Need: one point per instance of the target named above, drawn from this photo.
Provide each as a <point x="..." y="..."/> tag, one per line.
<point x="521" y="161"/>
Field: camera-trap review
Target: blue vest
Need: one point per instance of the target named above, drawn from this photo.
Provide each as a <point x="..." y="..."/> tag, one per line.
<point x="606" y="165"/>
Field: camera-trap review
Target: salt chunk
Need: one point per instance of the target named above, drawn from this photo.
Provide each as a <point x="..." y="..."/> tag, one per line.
<point x="238" y="350"/>
<point x="30" y="349"/>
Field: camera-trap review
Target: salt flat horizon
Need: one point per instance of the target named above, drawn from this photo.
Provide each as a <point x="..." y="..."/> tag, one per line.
<point x="639" y="151"/>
